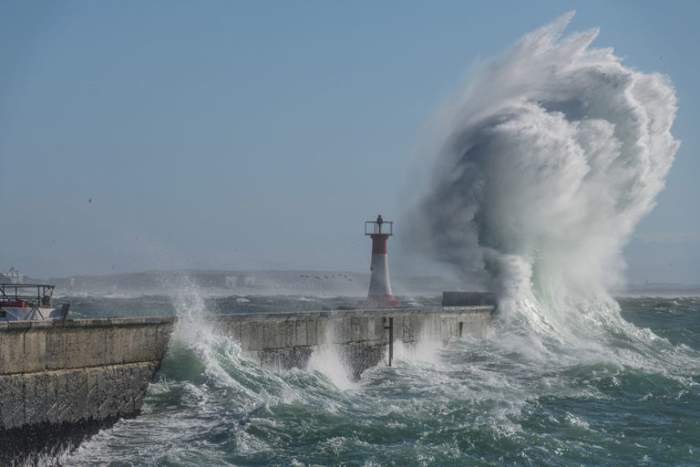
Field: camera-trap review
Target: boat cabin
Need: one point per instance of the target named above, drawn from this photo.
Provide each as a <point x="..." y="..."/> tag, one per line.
<point x="19" y="302"/>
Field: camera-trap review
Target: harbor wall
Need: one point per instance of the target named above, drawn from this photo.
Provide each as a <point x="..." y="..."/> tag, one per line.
<point x="363" y="338"/>
<point x="77" y="371"/>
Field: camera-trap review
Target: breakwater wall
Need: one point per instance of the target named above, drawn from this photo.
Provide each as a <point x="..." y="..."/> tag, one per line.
<point x="77" y="371"/>
<point x="363" y="338"/>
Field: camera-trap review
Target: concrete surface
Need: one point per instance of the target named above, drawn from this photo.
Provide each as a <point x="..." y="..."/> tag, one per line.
<point x="77" y="371"/>
<point x="363" y="338"/>
<point x="81" y="371"/>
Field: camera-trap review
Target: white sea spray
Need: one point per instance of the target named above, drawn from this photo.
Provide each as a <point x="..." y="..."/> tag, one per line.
<point x="543" y="167"/>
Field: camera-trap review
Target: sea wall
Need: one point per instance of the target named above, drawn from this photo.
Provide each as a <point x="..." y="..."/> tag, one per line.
<point x="77" y="371"/>
<point x="363" y="338"/>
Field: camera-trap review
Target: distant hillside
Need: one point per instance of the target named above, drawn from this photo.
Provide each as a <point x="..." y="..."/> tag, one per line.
<point x="318" y="283"/>
<point x="302" y="282"/>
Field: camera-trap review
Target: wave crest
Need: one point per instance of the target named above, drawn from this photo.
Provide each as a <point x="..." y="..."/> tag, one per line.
<point x="547" y="162"/>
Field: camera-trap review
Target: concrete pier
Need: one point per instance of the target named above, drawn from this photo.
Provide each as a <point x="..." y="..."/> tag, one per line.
<point x="61" y="381"/>
<point x="363" y="338"/>
<point x="77" y="371"/>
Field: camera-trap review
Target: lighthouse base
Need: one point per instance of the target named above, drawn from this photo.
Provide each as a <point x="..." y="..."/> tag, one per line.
<point x="383" y="301"/>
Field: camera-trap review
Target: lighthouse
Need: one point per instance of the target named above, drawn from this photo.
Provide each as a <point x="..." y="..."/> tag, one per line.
<point x="380" y="293"/>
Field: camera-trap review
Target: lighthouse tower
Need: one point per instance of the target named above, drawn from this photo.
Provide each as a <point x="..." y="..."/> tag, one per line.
<point x="380" y="293"/>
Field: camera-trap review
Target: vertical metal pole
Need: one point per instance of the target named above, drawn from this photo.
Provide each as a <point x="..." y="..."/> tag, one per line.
<point x="391" y="340"/>
<point x="389" y="326"/>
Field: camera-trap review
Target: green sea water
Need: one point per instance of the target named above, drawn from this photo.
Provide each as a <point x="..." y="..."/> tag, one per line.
<point x="492" y="401"/>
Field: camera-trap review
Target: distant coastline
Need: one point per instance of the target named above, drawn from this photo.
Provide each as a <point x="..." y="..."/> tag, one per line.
<point x="350" y="283"/>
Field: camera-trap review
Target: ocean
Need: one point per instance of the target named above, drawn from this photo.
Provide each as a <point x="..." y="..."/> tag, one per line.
<point x="494" y="401"/>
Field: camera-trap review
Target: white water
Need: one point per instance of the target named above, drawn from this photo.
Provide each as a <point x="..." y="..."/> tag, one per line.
<point x="327" y="360"/>
<point x="225" y="363"/>
<point x="543" y="168"/>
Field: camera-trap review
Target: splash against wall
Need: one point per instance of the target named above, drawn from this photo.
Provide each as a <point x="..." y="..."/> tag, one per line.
<point x="548" y="161"/>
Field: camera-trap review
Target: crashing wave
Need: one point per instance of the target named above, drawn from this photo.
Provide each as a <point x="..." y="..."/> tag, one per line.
<point x="547" y="163"/>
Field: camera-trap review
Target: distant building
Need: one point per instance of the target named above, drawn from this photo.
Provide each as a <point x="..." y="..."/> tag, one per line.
<point x="14" y="276"/>
<point x="246" y="281"/>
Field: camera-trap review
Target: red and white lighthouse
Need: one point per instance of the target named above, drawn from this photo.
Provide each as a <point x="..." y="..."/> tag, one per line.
<point x="380" y="293"/>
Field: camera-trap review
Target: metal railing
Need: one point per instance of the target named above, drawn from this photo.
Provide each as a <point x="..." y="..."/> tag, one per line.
<point x="374" y="227"/>
<point x="34" y="294"/>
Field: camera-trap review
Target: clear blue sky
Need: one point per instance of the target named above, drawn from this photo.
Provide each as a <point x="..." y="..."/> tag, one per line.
<point x="262" y="134"/>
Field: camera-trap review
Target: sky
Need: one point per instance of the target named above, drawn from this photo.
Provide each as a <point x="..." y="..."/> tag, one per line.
<point x="261" y="135"/>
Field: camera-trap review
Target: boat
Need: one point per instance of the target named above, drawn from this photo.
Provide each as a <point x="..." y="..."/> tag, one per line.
<point x="29" y="302"/>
